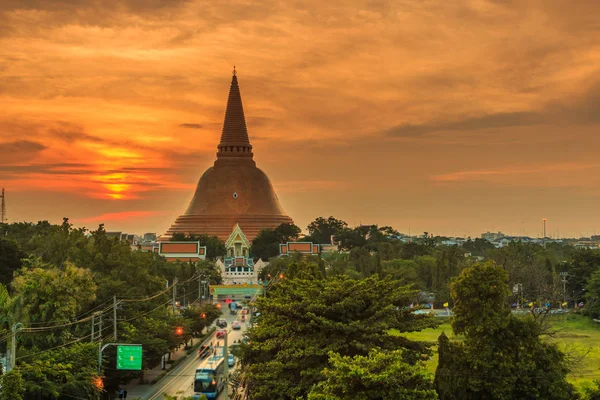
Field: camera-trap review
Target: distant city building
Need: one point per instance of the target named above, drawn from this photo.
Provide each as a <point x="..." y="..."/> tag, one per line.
<point x="491" y="236"/>
<point x="149" y="237"/>
<point x="123" y="237"/>
<point x="306" y="248"/>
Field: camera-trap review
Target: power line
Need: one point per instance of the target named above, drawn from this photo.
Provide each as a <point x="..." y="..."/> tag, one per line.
<point x="59" y="346"/>
<point x="76" y="317"/>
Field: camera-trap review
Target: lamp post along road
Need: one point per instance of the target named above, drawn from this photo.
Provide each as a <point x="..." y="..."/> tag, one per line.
<point x="226" y="361"/>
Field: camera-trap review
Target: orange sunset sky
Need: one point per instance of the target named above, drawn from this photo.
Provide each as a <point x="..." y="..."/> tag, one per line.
<point x="453" y="117"/>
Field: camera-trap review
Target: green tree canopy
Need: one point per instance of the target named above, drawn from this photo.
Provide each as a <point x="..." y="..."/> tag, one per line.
<point x="266" y="244"/>
<point x="44" y="293"/>
<point x="502" y="357"/>
<point x="10" y="259"/>
<point x="321" y="230"/>
<point x="12" y="386"/>
<point x="303" y="320"/>
<point x="592" y="296"/>
<point x="378" y="376"/>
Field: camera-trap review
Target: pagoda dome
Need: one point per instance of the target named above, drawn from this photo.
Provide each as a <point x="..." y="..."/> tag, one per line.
<point x="232" y="191"/>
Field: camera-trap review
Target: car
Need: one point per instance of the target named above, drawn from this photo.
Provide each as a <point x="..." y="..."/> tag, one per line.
<point x="221" y="323"/>
<point x="236" y="325"/>
<point x="204" y="351"/>
<point x="231" y="360"/>
<point x="221" y="333"/>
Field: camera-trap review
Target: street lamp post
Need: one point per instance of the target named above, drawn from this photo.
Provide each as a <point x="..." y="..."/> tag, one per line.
<point x="226" y="361"/>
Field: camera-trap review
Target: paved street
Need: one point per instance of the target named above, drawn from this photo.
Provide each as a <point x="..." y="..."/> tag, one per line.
<point x="181" y="378"/>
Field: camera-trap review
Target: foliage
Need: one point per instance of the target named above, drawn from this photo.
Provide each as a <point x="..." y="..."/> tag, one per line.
<point x="44" y="293"/>
<point x="303" y="320"/>
<point x="10" y="259"/>
<point x="201" y="316"/>
<point x="593" y="393"/>
<point x="480" y="305"/>
<point x="478" y="247"/>
<point x="321" y="230"/>
<point x="592" y="296"/>
<point x="379" y="376"/>
<point x="502" y="356"/>
<point x="266" y="244"/>
<point x="69" y="370"/>
<point x="12" y="385"/>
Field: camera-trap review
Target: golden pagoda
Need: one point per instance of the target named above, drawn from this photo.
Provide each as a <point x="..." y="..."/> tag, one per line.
<point x="233" y="191"/>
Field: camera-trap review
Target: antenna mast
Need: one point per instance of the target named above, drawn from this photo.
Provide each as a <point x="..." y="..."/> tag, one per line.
<point x="3" y="209"/>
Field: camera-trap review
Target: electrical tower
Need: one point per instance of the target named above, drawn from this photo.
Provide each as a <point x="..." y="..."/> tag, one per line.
<point x="3" y="209"/>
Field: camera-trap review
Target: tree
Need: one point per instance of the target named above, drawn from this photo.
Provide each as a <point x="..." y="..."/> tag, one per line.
<point x="378" y="376"/>
<point x="502" y="356"/>
<point x="403" y="270"/>
<point x="10" y="259"/>
<point x="201" y="316"/>
<point x="13" y="387"/>
<point x="303" y="320"/>
<point x="44" y="293"/>
<point x="592" y="296"/>
<point x="321" y="230"/>
<point x="70" y="370"/>
<point x="266" y="244"/>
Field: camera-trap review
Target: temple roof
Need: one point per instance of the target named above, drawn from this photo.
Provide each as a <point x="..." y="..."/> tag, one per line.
<point x="234" y="137"/>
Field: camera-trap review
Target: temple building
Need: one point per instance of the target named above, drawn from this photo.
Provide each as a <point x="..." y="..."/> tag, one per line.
<point x="238" y="267"/>
<point x="181" y="251"/>
<point x="233" y="192"/>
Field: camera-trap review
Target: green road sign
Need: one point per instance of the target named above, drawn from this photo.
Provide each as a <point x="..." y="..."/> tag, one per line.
<point x="129" y="357"/>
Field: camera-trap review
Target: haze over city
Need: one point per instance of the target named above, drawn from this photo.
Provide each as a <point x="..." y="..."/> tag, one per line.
<point x="454" y="118"/>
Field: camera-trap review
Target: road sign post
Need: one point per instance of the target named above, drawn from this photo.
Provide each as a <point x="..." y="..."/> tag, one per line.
<point x="129" y="356"/>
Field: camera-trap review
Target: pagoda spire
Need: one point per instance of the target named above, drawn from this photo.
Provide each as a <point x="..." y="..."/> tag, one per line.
<point x="234" y="137"/>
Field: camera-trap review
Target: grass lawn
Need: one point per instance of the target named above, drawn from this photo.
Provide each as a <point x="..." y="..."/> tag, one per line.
<point x="576" y="335"/>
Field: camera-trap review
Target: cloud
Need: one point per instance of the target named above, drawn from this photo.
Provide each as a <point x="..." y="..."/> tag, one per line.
<point x="20" y="151"/>
<point x="486" y="174"/>
<point x="499" y="120"/>
<point x="22" y="146"/>
<point x="192" y="126"/>
<point x="119" y="216"/>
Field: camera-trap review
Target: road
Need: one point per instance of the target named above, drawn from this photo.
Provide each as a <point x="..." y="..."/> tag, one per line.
<point x="180" y="380"/>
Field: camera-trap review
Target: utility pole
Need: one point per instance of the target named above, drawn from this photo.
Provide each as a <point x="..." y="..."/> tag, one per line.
<point x="93" y="322"/>
<point x="2" y="209"/>
<point x="200" y="288"/>
<point x="115" y="316"/>
<point x="226" y="363"/>
<point x="100" y="330"/>
<point x="13" y="344"/>
<point x="564" y="276"/>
